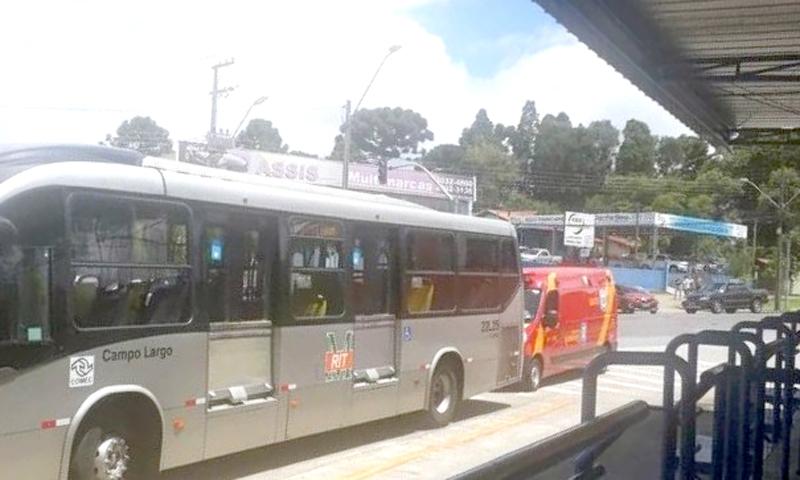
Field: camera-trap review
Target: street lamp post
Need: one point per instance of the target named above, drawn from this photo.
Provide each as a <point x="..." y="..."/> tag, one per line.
<point x="348" y="130"/>
<point x="781" y="206"/>
<point x="257" y="101"/>
<point x="421" y="167"/>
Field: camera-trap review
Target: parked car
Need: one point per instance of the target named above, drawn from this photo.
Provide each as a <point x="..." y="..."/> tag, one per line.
<point x="570" y="317"/>
<point x="727" y="297"/>
<point x="633" y="298"/>
<point x="532" y="257"/>
<point x="663" y="262"/>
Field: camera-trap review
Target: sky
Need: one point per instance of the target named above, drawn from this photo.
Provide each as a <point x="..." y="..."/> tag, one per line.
<point x="75" y="73"/>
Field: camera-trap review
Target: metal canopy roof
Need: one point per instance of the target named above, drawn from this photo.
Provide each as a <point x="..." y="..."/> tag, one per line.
<point x="729" y="69"/>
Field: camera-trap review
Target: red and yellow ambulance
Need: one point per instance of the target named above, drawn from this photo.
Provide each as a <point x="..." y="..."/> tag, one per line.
<point x="570" y="317"/>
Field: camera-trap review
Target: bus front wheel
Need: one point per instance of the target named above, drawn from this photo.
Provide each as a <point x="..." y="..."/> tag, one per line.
<point x="443" y="395"/>
<point x="106" y="450"/>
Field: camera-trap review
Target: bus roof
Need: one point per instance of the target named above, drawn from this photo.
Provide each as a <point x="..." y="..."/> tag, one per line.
<point x="105" y="168"/>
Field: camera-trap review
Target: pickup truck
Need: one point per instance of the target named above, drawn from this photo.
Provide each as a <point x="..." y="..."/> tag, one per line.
<point x="727" y="297"/>
<point x="664" y="262"/>
<point x="532" y="257"/>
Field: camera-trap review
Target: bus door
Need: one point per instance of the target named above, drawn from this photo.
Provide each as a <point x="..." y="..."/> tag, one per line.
<point x="239" y="256"/>
<point x="317" y="346"/>
<point x="372" y="285"/>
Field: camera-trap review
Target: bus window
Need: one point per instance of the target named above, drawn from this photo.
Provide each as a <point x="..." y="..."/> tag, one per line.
<point x="236" y="267"/>
<point x="509" y="279"/>
<point x="508" y="257"/>
<point x="129" y="262"/>
<point x="477" y="276"/>
<point x="430" y="273"/>
<point x="372" y="265"/>
<point x="317" y="268"/>
<point x="26" y="266"/>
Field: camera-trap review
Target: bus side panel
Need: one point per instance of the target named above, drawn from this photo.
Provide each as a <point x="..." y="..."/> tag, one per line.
<point x="477" y="338"/>
<point x="164" y="365"/>
<point x="32" y="454"/>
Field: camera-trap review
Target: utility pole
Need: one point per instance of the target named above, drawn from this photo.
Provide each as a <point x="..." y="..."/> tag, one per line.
<point x="216" y="92"/>
<point x="779" y="276"/>
<point x="348" y="132"/>
<point x="755" y="248"/>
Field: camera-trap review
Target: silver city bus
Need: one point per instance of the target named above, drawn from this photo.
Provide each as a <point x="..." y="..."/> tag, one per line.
<point x="156" y="314"/>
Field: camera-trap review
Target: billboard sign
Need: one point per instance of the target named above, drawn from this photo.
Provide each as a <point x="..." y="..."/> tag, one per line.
<point x="578" y="229"/>
<point x="363" y="176"/>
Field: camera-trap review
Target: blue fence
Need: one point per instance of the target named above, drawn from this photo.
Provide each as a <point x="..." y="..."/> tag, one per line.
<point x="653" y="280"/>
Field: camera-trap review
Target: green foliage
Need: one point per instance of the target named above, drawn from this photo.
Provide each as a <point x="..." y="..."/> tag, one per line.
<point x="483" y="131"/>
<point x="519" y="201"/>
<point x="495" y="170"/>
<point x="570" y="163"/>
<point x="524" y="141"/>
<point x="447" y="157"/>
<point x="142" y="134"/>
<point x="383" y="133"/>
<point x="261" y="135"/>
<point x="637" y="154"/>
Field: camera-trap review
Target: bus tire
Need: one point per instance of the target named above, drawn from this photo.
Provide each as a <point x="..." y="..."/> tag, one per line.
<point x="531" y="374"/>
<point x="112" y="448"/>
<point x="443" y="396"/>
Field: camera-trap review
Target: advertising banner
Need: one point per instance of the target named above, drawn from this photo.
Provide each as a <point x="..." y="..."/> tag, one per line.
<point x="363" y="176"/>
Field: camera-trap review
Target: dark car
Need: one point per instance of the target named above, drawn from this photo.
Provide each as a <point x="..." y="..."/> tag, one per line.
<point x="632" y="298"/>
<point x="727" y="297"/>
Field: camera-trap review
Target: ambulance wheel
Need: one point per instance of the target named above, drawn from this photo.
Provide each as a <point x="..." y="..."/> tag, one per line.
<point x="443" y="395"/>
<point x="531" y="374"/>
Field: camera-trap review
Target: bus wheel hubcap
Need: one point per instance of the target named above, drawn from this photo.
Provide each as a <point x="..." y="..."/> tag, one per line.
<point x="442" y="393"/>
<point x="112" y="459"/>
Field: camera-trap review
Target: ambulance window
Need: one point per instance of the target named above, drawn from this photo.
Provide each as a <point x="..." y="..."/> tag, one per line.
<point x="551" y="301"/>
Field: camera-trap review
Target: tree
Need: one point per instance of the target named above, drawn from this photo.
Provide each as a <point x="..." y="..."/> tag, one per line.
<point x="524" y="141"/>
<point x="695" y="155"/>
<point x="446" y="157"/>
<point x="261" y="135"/>
<point x="637" y="154"/>
<point x="570" y="163"/>
<point x="300" y="153"/>
<point x="142" y="134"/>
<point x="670" y="157"/>
<point x="483" y="131"/>
<point x="496" y="172"/>
<point x="383" y="133"/>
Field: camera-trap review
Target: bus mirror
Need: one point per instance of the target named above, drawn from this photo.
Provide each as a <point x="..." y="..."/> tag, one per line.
<point x="551" y="318"/>
<point x="8" y="232"/>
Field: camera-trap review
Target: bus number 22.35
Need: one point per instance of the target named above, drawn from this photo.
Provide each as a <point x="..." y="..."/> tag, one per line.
<point x="489" y="326"/>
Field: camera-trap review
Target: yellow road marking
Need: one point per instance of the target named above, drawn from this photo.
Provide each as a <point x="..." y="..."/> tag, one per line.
<point x="453" y="441"/>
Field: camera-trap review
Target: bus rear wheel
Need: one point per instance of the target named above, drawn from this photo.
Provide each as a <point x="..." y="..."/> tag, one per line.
<point x="107" y="450"/>
<point x="443" y="395"/>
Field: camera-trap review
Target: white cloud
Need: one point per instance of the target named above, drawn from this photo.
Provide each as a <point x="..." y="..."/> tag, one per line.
<point x="74" y="73"/>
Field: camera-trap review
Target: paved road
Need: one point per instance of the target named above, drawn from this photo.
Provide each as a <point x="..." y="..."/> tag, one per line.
<point x="487" y="426"/>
